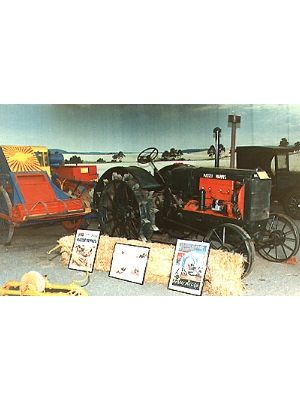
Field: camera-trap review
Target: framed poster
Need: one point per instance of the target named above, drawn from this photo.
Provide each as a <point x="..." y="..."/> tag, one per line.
<point x="84" y="250"/>
<point x="129" y="262"/>
<point x="189" y="266"/>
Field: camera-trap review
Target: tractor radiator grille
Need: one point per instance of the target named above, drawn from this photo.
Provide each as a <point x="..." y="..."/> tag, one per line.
<point x="260" y="199"/>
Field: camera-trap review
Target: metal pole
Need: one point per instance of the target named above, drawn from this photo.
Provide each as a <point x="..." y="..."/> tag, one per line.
<point x="217" y="132"/>
<point x="233" y="121"/>
<point x="232" y="148"/>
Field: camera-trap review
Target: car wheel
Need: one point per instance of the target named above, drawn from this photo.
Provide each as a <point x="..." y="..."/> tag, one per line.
<point x="291" y="204"/>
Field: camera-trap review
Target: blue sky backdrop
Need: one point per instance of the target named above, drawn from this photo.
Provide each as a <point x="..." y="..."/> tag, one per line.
<point x="130" y="128"/>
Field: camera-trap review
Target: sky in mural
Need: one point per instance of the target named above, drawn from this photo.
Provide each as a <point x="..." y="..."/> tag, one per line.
<point x="130" y="128"/>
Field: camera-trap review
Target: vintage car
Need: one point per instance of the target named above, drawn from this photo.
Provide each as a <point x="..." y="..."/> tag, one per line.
<point x="275" y="160"/>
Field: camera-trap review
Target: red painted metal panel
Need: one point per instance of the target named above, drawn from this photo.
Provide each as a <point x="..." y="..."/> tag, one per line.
<point x="79" y="173"/>
<point x="40" y="201"/>
<point x="217" y="188"/>
<point x="35" y="187"/>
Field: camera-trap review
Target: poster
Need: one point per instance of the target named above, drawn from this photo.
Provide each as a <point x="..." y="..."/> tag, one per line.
<point x="189" y="266"/>
<point x="129" y="262"/>
<point x="84" y="250"/>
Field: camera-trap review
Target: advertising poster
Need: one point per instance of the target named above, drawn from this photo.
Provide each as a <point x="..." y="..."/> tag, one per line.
<point x="189" y="266"/>
<point x="84" y="250"/>
<point x="129" y="263"/>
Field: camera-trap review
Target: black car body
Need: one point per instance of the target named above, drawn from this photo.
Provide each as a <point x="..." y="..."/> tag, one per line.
<point x="275" y="160"/>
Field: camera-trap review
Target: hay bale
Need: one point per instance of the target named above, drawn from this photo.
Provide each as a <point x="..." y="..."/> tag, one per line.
<point x="223" y="275"/>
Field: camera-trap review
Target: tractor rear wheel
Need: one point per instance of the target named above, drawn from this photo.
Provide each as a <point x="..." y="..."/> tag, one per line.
<point x="123" y="210"/>
<point x="279" y="241"/>
<point x="6" y="227"/>
<point x="233" y="238"/>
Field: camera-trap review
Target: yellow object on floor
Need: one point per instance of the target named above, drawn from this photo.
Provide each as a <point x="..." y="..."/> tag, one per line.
<point x="34" y="284"/>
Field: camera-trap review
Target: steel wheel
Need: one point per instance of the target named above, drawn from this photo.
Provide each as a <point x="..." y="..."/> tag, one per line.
<point x="234" y="239"/>
<point x="279" y="241"/>
<point x="6" y="227"/>
<point x="291" y="204"/>
<point x="119" y="213"/>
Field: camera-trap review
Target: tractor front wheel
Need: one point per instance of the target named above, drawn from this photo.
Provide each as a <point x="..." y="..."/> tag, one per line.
<point x="233" y="238"/>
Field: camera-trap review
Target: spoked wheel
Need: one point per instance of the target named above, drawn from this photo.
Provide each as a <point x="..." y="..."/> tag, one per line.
<point x="234" y="239"/>
<point x="291" y="204"/>
<point x="279" y="241"/>
<point x="119" y="212"/>
<point x="6" y="227"/>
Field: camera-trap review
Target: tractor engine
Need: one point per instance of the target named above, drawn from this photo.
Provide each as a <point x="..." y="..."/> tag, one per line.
<point x="218" y="196"/>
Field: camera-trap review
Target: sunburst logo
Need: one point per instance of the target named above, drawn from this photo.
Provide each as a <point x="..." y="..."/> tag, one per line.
<point x="21" y="158"/>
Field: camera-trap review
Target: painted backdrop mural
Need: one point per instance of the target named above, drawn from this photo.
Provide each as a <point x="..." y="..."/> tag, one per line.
<point x="107" y="128"/>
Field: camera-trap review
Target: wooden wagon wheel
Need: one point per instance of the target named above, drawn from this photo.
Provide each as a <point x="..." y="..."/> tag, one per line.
<point x="6" y="227"/>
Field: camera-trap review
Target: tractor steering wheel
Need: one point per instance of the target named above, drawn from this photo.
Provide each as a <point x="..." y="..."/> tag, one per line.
<point x="147" y="155"/>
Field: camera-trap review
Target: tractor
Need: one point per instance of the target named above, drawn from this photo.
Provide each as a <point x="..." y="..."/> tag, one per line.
<point x="230" y="208"/>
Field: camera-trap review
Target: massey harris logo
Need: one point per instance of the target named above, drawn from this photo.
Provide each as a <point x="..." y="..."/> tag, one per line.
<point x="217" y="176"/>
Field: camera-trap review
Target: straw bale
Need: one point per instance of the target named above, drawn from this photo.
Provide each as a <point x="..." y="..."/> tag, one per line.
<point x="223" y="275"/>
